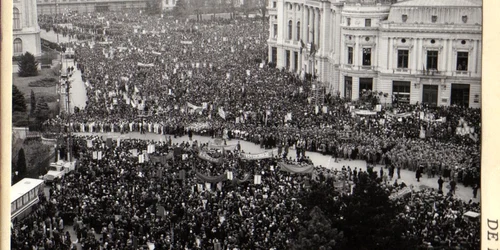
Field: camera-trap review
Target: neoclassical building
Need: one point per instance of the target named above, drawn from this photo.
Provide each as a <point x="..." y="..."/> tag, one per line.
<point x="426" y="51"/>
<point x="26" y="32"/>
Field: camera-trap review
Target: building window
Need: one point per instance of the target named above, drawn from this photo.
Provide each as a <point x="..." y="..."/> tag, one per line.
<point x="401" y="92"/>
<point x="348" y="88"/>
<point x="290" y="29"/>
<point x="275" y="30"/>
<point x="365" y="84"/>
<point x="403" y="58"/>
<point x="367" y="56"/>
<point x="287" y="59"/>
<point x="462" y="61"/>
<point x="295" y="60"/>
<point x="18" y="46"/>
<point x="434" y="19"/>
<point x="368" y="22"/>
<point x="464" y="19"/>
<point x="350" y="52"/>
<point x="404" y="18"/>
<point x="274" y="4"/>
<point x="274" y="54"/>
<point x="298" y="31"/>
<point x="16" y="19"/>
<point x="348" y="21"/>
<point x="432" y="59"/>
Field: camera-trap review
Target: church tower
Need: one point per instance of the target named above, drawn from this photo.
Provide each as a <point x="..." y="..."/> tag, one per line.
<point x="26" y="32"/>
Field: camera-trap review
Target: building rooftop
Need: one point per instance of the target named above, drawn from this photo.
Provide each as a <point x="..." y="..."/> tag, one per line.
<point x="439" y="3"/>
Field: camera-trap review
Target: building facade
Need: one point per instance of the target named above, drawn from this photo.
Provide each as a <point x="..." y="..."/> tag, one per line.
<point x="84" y="6"/>
<point x="26" y="32"/>
<point x="416" y="51"/>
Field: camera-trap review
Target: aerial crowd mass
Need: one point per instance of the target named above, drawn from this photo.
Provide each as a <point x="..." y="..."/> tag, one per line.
<point x="153" y="74"/>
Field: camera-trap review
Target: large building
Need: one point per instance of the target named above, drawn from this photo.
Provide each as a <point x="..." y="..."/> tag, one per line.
<point x="84" y="6"/>
<point x="26" y="32"/>
<point x="425" y="51"/>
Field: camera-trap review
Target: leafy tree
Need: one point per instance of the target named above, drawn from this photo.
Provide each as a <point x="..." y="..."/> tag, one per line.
<point x="318" y="233"/>
<point x="153" y="6"/>
<point x="42" y="110"/>
<point x="21" y="164"/>
<point x="28" y="66"/>
<point x="18" y="101"/>
<point x="180" y="9"/>
<point x="33" y="101"/>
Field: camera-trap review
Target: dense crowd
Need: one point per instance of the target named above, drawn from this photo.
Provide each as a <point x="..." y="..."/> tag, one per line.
<point x="115" y="201"/>
<point x="163" y="75"/>
<point x="170" y="77"/>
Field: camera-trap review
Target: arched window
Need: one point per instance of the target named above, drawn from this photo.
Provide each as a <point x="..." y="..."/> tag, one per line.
<point x="290" y="30"/>
<point x="16" y="19"/>
<point x="18" y="46"/>
<point x="298" y="31"/>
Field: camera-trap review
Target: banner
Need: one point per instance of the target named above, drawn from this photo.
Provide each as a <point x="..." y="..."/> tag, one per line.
<point x="296" y="168"/>
<point x="151" y="148"/>
<point x="257" y="179"/>
<point x="145" y="65"/>
<point x="203" y="155"/>
<point x="400" y="115"/>
<point x="401" y="193"/>
<point x="194" y="107"/>
<point x="89" y="143"/>
<point x="259" y="156"/>
<point x="210" y="179"/>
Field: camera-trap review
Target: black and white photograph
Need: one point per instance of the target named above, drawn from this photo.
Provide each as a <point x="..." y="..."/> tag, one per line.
<point x="246" y="124"/>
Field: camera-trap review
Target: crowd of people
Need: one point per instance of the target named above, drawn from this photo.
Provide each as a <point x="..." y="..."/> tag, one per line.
<point x="166" y="76"/>
<point x="116" y="201"/>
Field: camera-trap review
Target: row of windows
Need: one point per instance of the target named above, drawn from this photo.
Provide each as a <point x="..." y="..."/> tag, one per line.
<point x="434" y="19"/>
<point x="403" y="59"/>
<point x="368" y="22"/>
<point x="25" y="199"/>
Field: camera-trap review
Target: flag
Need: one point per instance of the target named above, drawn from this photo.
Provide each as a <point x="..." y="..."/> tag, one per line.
<point x="219" y="186"/>
<point x="302" y="45"/>
<point x="199" y="187"/>
<point x="325" y="109"/>
<point x="222" y="113"/>
<point x="316" y="109"/>
<point x="94" y="155"/>
<point x="99" y="155"/>
<point x="141" y="158"/>
<point x="208" y="186"/>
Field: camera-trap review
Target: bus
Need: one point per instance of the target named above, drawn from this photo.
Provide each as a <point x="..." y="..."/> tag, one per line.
<point x="23" y="195"/>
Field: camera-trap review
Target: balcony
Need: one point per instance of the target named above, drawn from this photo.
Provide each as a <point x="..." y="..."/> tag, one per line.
<point x="461" y="73"/>
<point x="404" y="71"/>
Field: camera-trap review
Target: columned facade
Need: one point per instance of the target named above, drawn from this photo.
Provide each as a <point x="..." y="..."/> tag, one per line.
<point x="414" y="50"/>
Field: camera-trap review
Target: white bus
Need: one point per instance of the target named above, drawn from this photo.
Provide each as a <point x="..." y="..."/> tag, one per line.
<point x="23" y="195"/>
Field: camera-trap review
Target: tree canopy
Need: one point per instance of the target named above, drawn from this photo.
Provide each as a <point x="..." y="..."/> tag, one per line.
<point x="28" y="65"/>
<point x="18" y="101"/>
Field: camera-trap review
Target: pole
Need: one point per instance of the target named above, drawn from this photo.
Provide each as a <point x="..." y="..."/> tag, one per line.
<point x="69" y="121"/>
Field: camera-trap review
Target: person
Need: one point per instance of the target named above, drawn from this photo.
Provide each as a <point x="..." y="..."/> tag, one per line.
<point x="399" y="172"/>
<point x="474" y="190"/>
<point x="440" y="184"/>
<point x="418" y="174"/>
<point x="453" y="185"/>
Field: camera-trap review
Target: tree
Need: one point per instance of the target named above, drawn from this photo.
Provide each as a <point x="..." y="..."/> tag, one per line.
<point x="153" y="6"/>
<point x="28" y="65"/>
<point x="318" y="233"/>
<point x="21" y="165"/>
<point x="180" y="9"/>
<point x="18" y="101"/>
<point x="33" y="102"/>
<point x="42" y="110"/>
